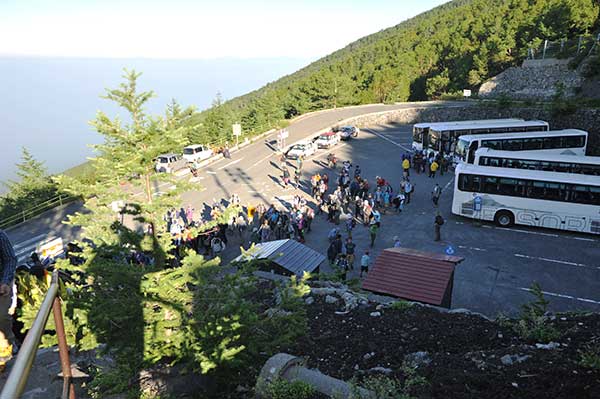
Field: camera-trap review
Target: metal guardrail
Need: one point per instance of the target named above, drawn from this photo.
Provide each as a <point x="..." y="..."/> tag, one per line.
<point x="17" y="379"/>
<point x="29" y="213"/>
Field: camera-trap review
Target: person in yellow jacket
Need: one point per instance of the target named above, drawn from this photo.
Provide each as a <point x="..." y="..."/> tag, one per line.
<point x="433" y="168"/>
<point x="406" y="167"/>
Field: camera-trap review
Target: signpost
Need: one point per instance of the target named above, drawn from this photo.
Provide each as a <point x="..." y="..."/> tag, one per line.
<point x="237" y="132"/>
<point x="281" y="136"/>
<point x="466" y="93"/>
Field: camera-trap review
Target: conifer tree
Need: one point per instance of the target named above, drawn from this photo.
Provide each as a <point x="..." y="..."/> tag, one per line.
<point x="125" y="173"/>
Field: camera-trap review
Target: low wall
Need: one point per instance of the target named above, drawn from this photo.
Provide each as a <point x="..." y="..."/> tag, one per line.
<point x="584" y="119"/>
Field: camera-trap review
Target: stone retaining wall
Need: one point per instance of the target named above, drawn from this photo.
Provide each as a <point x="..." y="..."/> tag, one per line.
<point x="535" y="80"/>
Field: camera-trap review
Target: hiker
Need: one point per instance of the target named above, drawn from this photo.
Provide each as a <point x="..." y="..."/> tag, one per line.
<point x="365" y="262"/>
<point x="408" y="189"/>
<point x="406" y="167"/>
<point x="435" y="194"/>
<point x="373" y="229"/>
<point x="334" y="249"/>
<point x="8" y="265"/>
<point x="350" y="247"/>
<point x="286" y="177"/>
<point x="437" y="224"/>
<point x="396" y="242"/>
<point x="433" y="167"/>
<point x="342" y="265"/>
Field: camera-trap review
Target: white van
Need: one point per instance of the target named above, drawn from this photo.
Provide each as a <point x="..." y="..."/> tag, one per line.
<point x="196" y="152"/>
<point x="169" y="163"/>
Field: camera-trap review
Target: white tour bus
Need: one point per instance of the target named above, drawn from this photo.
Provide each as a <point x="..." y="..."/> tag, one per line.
<point x="421" y="130"/>
<point x="562" y="201"/>
<point x="538" y="160"/>
<point x="443" y="138"/>
<point x="566" y="142"/>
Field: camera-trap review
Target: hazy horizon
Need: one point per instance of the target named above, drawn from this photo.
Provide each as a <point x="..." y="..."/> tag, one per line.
<point x="48" y="101"/>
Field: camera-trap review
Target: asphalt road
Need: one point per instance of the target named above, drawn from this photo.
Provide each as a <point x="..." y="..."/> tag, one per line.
<point x="500" y="264"/>
<point x="238" y="174"/>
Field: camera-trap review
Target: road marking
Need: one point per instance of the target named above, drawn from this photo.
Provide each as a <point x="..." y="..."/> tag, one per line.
<point x="385" y="138"/>
<point x="258" y="162"/>
<point x="231" y="163"/>
<point x="562" y="262"/>
<point x="473" y="248"/>
<point x="564" y="296"/>
<point x="25" y="243"/>
<point x="448" y="184"/>
<point x="539" y="233"/>
<point x="210" y="172"/>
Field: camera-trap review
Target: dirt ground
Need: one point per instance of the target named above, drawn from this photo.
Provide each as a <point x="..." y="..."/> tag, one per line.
<point x="463" y="353"/>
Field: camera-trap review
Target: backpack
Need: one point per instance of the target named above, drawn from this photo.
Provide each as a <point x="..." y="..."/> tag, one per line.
<point x="439" y="220"/>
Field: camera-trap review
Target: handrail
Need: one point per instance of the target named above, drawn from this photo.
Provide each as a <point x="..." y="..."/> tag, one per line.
<point x="28" y="213"/>
<point x="17" y="379"/>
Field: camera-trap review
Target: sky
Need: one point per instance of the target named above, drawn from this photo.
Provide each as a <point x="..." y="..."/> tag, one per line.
<point x="201" y="29"/>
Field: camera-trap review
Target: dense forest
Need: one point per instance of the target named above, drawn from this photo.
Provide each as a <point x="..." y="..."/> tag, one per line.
<point x="454" y="46"/>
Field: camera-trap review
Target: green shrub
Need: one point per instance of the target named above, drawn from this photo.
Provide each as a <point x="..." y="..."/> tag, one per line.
<point x="283" y="389"/>
<point x="590" y="356"/>
<point x="533" y="324"/>
<point x="401" y="305"/>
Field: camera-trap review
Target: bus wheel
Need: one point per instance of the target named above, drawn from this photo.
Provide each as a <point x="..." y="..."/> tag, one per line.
<point x="504" y="219"/>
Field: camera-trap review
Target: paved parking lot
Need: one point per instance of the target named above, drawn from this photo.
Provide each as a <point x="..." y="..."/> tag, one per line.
<point x="500" y="264"/>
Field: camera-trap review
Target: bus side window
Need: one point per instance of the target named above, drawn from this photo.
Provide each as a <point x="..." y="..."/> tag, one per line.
<point x="512" y="145"/>
<point x="493" y="144"/>
<point x="490" y="185"/>
<point x="533" y="143"/>
<point x="508" y="187"/>
<point x="552" y="142"/>
<point x="574" y="141"/>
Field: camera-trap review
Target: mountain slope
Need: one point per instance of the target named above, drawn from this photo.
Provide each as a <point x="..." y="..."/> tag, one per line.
<point x="454" y="46"/>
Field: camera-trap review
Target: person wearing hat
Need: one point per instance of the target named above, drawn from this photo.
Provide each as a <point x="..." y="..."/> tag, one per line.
<point x="396" y="242"/>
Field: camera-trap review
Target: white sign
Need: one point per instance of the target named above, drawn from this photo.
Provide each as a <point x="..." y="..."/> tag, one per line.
<point x="237" y="129"/>
<point x="50" y="248"/>
<point x="284" y="134"/>
<point x="467" y="93"/>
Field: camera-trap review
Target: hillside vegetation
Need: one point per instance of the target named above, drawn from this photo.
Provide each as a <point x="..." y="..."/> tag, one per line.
<point x="457" y="45"/>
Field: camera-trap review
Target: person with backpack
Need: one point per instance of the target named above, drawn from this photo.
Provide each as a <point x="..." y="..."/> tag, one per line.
<point x="433" y="167"/>
<point x="435" y="194"/>
<point x="437" y="224"/>
<point x="334" y="249"/>
<point x="365" y="262"/>
<point x="350" y="249"/>
<point x="406" y="167"/>
<point x="342" y="265"/>
<point x="408" y="189"/>
<point x="373" y="230"/>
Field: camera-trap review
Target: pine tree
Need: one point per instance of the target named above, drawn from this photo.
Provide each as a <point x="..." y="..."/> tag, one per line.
<point x="127" y="156"/>
<point x="33" y="187"/>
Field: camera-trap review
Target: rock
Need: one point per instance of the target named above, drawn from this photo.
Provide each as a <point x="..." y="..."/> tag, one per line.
<point x="375" y="314"/>
<point x="356" y="367"/>
<point x="330" y="299"/>
<point x="418" y="359"/>
<point x="514" y="384"/>
<point x="350" y="300"/>
<point x="379" y="307"/>
<point x="323" y="291"/>
<point x="551" y="345"/>
<point x="76" y="372"/>
<point x="500" y="335"/>
<point x="309" y="300"/>
<point x="381" y="370"/>
<point x="506" y="360"/>
<point x="367" y="356"/>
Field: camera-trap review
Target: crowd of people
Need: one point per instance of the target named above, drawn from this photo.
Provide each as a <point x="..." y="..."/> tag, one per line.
<point x="352" y="202"/>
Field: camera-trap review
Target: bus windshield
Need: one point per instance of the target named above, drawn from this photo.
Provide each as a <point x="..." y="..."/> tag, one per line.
<point x="461" y="148"/>
<point x="418" y="134"/>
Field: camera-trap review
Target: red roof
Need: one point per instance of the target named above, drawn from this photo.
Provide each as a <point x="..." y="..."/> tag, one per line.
<point x="412" y="274"/>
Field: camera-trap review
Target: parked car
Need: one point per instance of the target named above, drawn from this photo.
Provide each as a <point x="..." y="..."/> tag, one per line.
<point x="347" y="132"/>
<point x="196" y="153"/>
<point x="169" y="163"/>
<point x="301" y="149"/>
<point x="327" y="140"/>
